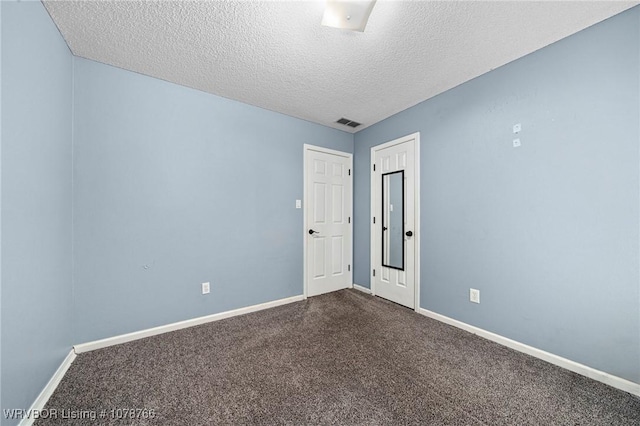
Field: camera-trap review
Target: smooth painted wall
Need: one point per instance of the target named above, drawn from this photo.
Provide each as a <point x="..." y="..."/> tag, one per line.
<point x="548" y="232"/>
<point x="36" y="202"/>
<point x="176" y="187"/>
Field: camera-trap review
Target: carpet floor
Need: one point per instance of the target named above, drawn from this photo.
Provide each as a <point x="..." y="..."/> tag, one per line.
<point x="342" y="358"/>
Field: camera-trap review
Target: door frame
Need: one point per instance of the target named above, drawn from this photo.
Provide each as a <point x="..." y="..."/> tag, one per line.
<point x="416" y="233"/>
<point x="305" y="199"/>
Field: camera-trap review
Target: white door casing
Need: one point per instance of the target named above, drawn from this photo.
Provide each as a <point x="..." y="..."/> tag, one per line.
<point x="398" y="285"/>
<point x="327" y="212"/>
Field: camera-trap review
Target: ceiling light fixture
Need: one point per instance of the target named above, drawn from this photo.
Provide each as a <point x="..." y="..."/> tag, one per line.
<point x="348" y="15"/>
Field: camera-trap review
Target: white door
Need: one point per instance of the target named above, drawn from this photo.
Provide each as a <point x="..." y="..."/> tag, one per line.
<point x="328" y="204"/>
<point x="394" y="232"/>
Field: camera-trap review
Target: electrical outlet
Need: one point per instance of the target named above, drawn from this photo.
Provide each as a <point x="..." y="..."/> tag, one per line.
<point x="474" y="295"/>
<point x="517" y="128"/>
<point x="206" y="288"/>
<point x="516" y="143"/>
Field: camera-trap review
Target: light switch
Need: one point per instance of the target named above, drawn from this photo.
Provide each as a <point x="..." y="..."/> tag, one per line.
<point x="517" y="128"/>
<point x="516" y="143"/>
<point x="298" y="204"/>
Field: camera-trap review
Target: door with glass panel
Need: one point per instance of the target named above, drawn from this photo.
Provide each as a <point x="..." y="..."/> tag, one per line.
<point x="393" y="232"/>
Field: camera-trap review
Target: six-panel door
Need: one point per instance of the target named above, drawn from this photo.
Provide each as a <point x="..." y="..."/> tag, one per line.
<point x="328" y="222"/>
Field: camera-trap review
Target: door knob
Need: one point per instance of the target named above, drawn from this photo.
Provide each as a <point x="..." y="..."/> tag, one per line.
<point x="384" y="228"/>
<point x="311" y="232"/>
<point x="409" y="233"/>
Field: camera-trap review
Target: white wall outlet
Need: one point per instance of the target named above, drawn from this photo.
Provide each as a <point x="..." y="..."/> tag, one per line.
<point x="206" y="288"/>
<point x="516" y="143"/>
<point x="474" y="295"/>
<point x="517" y="128"/>
<point x="298" y="204"/>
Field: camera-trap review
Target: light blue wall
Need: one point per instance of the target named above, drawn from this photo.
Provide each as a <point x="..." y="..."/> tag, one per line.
<point x="197" y="187"/>
<point x="36" y="202"/>
<point x="1" y="405"/>
<point x="548" y="232"/>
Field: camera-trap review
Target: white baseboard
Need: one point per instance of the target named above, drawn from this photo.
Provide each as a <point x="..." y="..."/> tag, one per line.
<point x="592" y="373"/>
<point x="123" y="338"/>
<point x="361" y="288"/>
<point x="46" y="393"/>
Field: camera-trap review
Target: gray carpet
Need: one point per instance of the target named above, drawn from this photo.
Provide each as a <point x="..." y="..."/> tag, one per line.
<point x="341" y="358"/>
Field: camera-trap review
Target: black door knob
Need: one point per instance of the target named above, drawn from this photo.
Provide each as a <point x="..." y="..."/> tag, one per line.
<point x="311" y="232"/>
<point x="384" y="228"/>
<point x="409" y="233"/>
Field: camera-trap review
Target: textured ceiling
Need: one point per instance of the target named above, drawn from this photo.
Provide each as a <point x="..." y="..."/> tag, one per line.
<point x="276" y="55"/>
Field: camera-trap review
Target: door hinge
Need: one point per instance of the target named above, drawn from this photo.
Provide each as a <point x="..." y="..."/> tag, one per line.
<point x="374" y="272"/>
<point x="349" y="172"/>
<point x="374" y="167"/>
<point x="349" y="268"/>
<point x="349" y="219"/>
<point x="374" y="220"/>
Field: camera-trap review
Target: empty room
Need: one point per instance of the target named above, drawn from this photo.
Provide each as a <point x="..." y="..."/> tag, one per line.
<point x="319" y="212"/>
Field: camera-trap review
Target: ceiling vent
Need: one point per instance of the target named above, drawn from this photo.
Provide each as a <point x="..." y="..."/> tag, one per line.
<point x="348" y="122"/>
